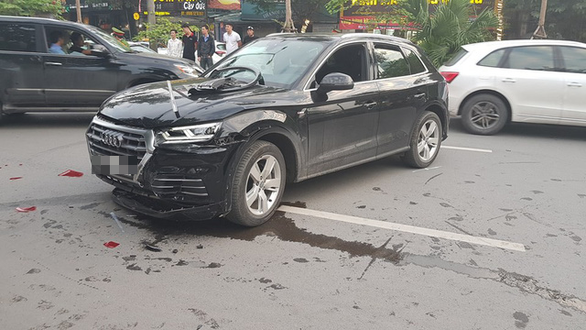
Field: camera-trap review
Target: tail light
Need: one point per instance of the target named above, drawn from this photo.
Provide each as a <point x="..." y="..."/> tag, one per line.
<point x="449" y="76"/>
<point x="221" y="52"/>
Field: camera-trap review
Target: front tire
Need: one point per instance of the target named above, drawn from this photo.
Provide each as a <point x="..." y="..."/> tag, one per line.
<point x="484" y="114"/>
<point x="426" y="140"/>
<point x="258" y="184"/>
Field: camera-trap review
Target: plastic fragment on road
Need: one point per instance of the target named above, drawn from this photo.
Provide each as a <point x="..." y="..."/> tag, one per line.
<point x="111" y="244"/>
<point x="113" y="215"/>
<point x="153" y="248"/>
<point x="16" y="178"/>
<point x="26" y="209"/>
<point x="72" y="174"/>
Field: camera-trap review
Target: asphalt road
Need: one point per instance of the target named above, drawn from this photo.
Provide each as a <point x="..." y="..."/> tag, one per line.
<point x="352" y="250"/>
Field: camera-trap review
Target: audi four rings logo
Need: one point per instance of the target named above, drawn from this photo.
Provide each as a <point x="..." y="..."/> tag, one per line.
<point x="112" y="138"/>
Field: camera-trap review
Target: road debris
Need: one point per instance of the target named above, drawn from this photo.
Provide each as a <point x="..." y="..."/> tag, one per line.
<point x="113" y="215"/>
<point x="16" y="178"/>
<point x="71" y="173"/>
<point x="153" y="248"/>
<point x="111" y="244"/>
<point x="26" y="209"/>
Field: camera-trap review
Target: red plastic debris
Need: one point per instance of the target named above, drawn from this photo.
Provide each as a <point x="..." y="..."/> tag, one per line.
<point x="111" y="244"/>
<point x="16" y="178"/>
<point x="26" y="209"/>
<point x="71" y="173"/>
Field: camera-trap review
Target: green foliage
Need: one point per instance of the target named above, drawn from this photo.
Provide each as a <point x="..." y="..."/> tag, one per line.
<point x="160" y="33"/>
<point x="52" y="8"/>
<point x="442" y="33"/>
<point x="564" y="19"/>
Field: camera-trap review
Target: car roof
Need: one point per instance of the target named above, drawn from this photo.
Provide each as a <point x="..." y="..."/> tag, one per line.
<point x="339" y="36"/>
<point x="492" y="45"/>
<point x="39" y="20"/>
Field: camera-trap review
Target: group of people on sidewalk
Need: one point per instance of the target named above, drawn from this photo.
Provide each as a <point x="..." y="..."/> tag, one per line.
<point x="205" y="45"/>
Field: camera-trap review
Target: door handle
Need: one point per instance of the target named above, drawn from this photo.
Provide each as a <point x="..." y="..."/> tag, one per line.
<point x="574" y="84"/>
<point x="419" y="95"/>
<point x="53" y="63"/>
<point x="509" y="80"/>
<point x="369" y="105"/>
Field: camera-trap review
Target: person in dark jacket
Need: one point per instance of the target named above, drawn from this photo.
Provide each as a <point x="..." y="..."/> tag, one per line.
<point x="189" y="42"/>
<point x="249" y="35"/>
<point x="206" y="48"/>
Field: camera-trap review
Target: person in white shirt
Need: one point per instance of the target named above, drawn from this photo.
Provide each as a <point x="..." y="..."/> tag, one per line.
<point x="232" y="39"/>
<point x="174" y="45"/>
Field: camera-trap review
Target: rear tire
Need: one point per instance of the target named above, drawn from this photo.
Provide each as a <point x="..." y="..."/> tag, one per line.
<point x="258" y="184"/>
<point x="484" y="114"/>
<point x="426" y="141"/>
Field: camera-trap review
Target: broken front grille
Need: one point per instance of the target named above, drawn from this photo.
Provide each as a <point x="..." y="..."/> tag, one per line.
<point x="176" y="185"/>
<point x="116" y="141"/>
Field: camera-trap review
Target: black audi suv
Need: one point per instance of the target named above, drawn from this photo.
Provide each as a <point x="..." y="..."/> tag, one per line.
<point x="285" y="108"/>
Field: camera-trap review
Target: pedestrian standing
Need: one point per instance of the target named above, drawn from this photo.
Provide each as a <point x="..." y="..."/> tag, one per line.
<point x="232" y="39"/>
<point x="174" y="45"/>
<point x="249" y="35"/>
<point x="206" y="48"/>
<point x="189" y="42"/>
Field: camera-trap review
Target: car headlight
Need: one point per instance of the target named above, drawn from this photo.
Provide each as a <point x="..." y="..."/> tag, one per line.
<point x="188" y="70"/>
<point x="188" y="134"/>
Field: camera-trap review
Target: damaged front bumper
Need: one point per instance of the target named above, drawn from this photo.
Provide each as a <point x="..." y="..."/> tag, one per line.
<point x="162" y="209"/>
<point x="189" y="183"/>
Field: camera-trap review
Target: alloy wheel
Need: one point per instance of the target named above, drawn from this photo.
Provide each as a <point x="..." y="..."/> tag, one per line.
<point x="484" y="115"/>
<point x="428" y="140"/>
<point x="263" y="185"/>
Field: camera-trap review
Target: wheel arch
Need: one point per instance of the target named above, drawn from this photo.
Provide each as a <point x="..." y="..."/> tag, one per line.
<point x="442" y="113"/>
<point x="491" y="92"/>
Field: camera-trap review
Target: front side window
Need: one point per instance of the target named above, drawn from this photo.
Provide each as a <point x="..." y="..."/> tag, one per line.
<point x="350" y="60"/>
<point x="531" y="58"/>
<point x="390" y="62"/>
<point x="17" y="37"/>
<point x="575" y="59"/>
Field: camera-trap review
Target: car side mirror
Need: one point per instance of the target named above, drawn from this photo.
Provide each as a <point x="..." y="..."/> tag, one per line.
<point x="100" y="50"/>
<point x="335" y="81"/>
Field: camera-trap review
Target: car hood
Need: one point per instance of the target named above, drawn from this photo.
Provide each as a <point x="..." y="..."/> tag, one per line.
<point x="150" y="105"/>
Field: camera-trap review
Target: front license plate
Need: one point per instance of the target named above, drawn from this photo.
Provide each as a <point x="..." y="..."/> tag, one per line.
<point x="114" y="165"/>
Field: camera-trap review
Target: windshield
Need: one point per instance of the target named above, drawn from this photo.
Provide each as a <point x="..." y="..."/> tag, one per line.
<point x="110" y="40"/>
<point x="281" y="62"/>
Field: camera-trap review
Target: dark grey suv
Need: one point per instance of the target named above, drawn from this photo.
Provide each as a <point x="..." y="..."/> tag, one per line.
<point x="284" y="108"/>
<point x="34" y="79"/>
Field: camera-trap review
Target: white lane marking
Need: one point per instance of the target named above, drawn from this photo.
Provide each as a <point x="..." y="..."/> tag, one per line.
<point x="405" y="228"/>
<point x="467" y="149"/>
<point x="427" y="169"/>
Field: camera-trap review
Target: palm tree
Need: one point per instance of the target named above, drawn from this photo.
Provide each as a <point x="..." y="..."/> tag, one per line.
<point x="452" y="24"/>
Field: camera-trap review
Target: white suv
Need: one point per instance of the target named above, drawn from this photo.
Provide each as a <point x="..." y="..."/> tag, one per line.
<point x="532" y="81"/>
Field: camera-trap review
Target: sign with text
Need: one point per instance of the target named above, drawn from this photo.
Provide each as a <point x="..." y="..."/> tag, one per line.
<point x="179" y="8"/>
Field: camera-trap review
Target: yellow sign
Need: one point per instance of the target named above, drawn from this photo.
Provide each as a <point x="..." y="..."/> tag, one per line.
<point x="136" y="16"/>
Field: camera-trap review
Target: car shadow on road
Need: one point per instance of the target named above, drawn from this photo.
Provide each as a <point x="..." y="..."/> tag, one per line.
<point x="531" y="130"/>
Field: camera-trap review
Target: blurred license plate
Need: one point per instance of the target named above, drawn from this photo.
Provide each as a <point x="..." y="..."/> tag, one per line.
<point x="114" y="164"/>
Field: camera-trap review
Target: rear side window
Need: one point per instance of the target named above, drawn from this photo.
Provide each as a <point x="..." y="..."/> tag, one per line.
<point x="390" y="63"/>
<point x="531" y="58"/>
<point x="493" y="59"/>
<point x="17" y="37"/>
<point x="575" y="59"/>
<point x="458" y="56"/>
<point x="414" y="62"/>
